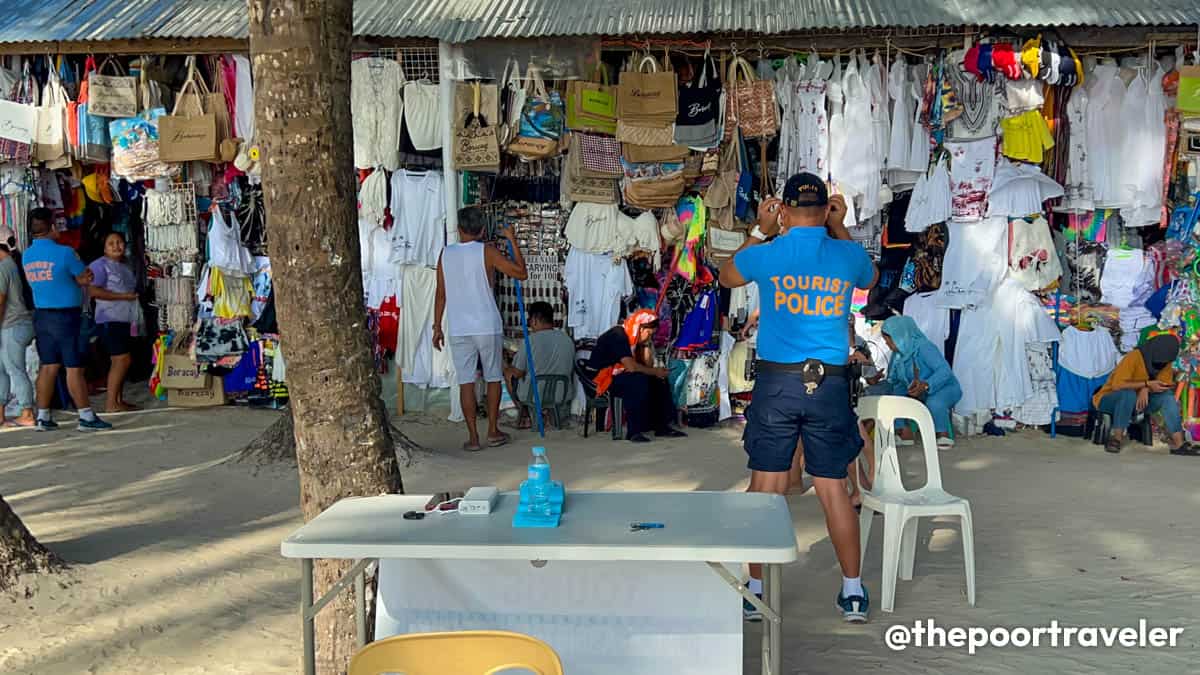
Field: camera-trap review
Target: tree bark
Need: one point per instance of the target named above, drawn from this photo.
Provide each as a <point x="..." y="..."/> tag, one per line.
<point x="300" y="51"/>
<point x="20" y="553"/>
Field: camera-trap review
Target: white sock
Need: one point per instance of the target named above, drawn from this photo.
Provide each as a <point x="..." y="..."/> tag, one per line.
<point x="755" y="586"/>
<point x="852" y="587"/>
<point x="87" y="415"/>
<point x="43" y="414"/>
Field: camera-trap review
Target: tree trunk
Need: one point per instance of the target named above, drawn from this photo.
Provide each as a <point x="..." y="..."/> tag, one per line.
<point x="300" y="51"/>
<point x="20" y="553"/>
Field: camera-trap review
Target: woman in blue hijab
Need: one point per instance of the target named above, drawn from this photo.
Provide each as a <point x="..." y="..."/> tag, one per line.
<point x="919" y="370"/>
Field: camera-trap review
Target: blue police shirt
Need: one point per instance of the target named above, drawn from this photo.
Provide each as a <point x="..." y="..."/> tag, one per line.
<point x="806" y="280"/>
<point x="51" y="269"/>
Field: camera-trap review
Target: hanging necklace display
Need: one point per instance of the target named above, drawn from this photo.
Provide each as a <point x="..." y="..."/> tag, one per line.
<point x="172" y="245"/>
<point x="170" y="220"/>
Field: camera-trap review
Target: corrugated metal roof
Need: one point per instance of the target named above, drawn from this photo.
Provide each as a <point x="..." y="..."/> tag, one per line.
<point x="79" y="20"/>
<point x="464" y="20"/>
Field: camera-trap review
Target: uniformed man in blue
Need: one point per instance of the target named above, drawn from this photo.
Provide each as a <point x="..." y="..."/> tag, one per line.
<point x="57" y="277"/>
<point x="806" y="275"/>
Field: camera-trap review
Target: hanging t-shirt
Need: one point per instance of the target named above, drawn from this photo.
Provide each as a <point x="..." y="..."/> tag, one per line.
<point x="972" y="166"/>
<point x="975" y="263"/>
<point x="932" y="201"/>
<point x="225" y="249"/>
<point x="933" y="320"/>
<point x="1033" y="260"/>
<point x="423" y="115"/>
<point x="596" y="285"/>
<point x="1023" y="95"/>
<point x="697" y="329"/>
<point x="261" y="281"/>
<point x="596" y="228"/>
<point x="1122" y="272"/>
<point x="380" y="277"/>
<point x="418" y="210"/>
<point x="1090" y="354"/>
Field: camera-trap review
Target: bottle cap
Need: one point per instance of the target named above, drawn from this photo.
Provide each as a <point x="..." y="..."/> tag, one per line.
<point x="539" y="450"/>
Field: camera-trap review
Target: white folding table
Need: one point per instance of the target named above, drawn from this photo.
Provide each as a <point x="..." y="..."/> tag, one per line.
<point x="715" y="529"/>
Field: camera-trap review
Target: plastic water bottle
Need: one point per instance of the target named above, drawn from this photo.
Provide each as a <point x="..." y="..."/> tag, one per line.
<point x="539" y="483"/>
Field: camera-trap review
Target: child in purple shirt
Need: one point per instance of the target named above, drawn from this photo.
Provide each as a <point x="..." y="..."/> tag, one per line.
<point x="115" y="291"/>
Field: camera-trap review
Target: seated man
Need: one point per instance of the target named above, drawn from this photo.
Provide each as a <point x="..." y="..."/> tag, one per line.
<point x="1145" y="381"/>
<point x="623" y="361"/>
<point x="553" y="354"/>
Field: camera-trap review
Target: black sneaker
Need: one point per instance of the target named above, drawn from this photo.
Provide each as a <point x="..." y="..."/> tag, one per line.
<point x="94" y="424"/>
<point x="639" y="438"/>
<point x="854" y="608"/>
<point x="1186" y="450"/>
<point x="750" y="612"/>
<point x="46" y="425"/>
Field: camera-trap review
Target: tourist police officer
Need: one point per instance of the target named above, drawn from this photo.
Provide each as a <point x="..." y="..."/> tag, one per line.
<point x="806" y="276"/>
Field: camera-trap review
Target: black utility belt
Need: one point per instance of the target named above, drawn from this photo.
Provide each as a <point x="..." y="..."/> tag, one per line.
<point x="812" y="366"/>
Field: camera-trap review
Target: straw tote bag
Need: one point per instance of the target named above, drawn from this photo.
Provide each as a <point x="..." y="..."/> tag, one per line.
<point x="189" y="133"/>
<point x="592" y="106"/>
<point x="648" y="96"/>
<point x="750" y="103"/>
<point x="476" y="147"/>
<point x="112" y="95"/>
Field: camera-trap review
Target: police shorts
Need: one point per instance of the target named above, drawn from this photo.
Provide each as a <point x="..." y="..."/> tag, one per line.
<point x="57" y="332"/>
<point x="781" y="412"/>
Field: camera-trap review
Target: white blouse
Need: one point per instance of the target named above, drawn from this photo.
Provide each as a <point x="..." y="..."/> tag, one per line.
<point x="376" y="109"/>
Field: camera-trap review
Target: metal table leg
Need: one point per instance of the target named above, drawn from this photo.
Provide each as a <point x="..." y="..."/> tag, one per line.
<point x="769" y="605"/>
<point x="774" y="592"/>
<point x="768" y="650"/>
<point x="308" y="629"/>
<point x="360" y="610"/>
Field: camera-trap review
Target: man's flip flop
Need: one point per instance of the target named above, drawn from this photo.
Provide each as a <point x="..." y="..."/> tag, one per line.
<point x="498" y="441"/>
<point x="471" y="447"/>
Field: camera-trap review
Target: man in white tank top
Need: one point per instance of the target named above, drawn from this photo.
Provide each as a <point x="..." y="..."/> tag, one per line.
<point x="469" y="269"/>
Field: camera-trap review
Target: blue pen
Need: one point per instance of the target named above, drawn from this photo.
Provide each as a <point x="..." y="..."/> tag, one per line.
<point x="646" y="526"/>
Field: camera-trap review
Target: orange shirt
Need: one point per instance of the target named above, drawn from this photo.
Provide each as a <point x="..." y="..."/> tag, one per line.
<point x="1132" y="367"/>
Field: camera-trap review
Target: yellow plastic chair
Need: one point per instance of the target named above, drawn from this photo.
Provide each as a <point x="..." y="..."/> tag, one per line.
<point x="478" y="652"/>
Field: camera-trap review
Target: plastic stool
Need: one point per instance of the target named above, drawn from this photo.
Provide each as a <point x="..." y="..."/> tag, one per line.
<point x="1140" y="428"/>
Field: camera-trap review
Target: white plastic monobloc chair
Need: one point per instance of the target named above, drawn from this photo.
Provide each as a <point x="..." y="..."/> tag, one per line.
<point x="901" y="508"/>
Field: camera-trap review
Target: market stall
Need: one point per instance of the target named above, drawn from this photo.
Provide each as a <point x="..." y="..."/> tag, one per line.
<point x="1022" y="192"/>
<point x="1016" y="192"/>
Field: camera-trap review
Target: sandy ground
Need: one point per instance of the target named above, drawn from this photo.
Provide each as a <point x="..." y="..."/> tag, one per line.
<point x="176" y="566"/>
